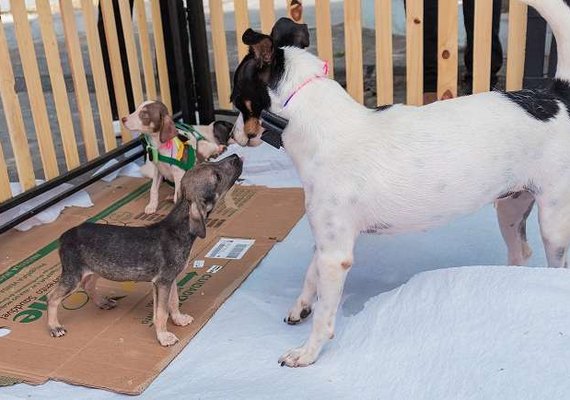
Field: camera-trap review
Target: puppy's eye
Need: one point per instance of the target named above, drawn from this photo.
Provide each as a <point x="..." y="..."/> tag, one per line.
<point x="218" y="177"/>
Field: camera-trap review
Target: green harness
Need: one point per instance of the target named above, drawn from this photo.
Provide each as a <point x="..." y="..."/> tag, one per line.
<point x="185" y="157"/>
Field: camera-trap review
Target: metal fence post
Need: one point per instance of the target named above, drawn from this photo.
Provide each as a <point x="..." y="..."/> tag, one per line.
<point x="202" y="76"/>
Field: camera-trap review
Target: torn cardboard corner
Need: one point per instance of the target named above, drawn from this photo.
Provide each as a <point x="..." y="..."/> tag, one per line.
<point x="117" y="349"/>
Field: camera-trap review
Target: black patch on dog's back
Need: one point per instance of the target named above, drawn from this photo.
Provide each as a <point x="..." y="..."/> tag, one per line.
<point x="539" y="103"/>
<point x="562" y="89"/>
<point x="543" y="104"/>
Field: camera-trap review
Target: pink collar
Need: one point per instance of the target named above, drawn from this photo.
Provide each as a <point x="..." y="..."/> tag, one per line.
<point x="307" y="81"/>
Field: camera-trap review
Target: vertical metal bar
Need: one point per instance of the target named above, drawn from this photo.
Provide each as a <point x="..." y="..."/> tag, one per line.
<point x="181" y="60"/>
<point x="202" y="78"/>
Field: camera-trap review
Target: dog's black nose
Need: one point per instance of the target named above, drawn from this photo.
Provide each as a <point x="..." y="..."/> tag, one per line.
<point x="251" y="135"/>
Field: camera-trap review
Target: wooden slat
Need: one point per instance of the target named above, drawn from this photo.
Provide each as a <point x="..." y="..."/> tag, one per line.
<point x="34" y="88"/>
<point x="324" y="33"/>
<point x="99" y="76"/>
<point x="384" y="59"/>
<point x="267" y="15"/>
<point x="146" y="53"/>
<point x="5" y="191"/>
<point x="447" y="49"/>
<point x="59" y="90"/>
<point x="482" y="46"/>
<point x="112" y="39"/>
<point x="220" y="54"/>
<point x="414" y="51"/>
<point x="160" y="54"/>
<point x="242" y="23"/>
<point x="353" y="49"/>
<point x="517" y="42"/>
<point x="14" y="120"/>
<point x="291" y="13"/>
<point x="131" y="47"/>
<point x="79" y="79"/>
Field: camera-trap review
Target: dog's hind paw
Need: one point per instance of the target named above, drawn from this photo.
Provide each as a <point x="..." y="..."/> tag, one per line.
<point x="58" y="331"/>
<point x="167" y="338"/>
<point x="107" y="304"/>
<point x="182" y="319"/>
<point x="299" y="357"/>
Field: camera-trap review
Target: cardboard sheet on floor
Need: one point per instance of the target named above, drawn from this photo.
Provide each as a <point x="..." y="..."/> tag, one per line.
<point x="117" y="349"/>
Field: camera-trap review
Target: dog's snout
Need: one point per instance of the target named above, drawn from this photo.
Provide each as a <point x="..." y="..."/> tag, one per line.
<point x="124" y="119"/>
<point x="251" y="135"/>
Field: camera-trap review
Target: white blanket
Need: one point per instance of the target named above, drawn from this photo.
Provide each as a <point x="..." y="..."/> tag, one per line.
<point x="460" y="333"/>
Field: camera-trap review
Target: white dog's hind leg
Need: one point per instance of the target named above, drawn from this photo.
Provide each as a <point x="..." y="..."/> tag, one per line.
<point x="332" y="264"/>
<point x="554" y="218"/>
<point x="302" y="307"/>
<point x="512" y="213"/>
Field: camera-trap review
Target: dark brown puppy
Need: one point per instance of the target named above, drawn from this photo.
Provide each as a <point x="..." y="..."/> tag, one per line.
<point x="155" y="253"/>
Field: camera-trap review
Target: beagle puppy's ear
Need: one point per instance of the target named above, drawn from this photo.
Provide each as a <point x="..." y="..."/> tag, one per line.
<point x="198" y="218"/>
<point x="168" y="129"/>
<point x="261" y="45"/>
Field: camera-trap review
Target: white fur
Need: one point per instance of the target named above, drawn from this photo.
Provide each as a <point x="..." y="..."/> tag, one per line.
<point x="407" y="168"/>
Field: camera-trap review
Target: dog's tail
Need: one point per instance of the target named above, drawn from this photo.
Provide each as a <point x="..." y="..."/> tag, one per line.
<point x="557" y="14"/>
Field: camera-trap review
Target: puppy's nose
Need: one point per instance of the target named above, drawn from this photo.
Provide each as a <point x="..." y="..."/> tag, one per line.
<point x="124" y="119"/>
<point x="251" y="135"/>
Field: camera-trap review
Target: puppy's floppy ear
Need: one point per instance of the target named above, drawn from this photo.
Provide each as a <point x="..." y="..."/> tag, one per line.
<point x="260" y="44"/>
<point x="198" y="218"/>
<point x="285" y="32"/>
<point x="167" y="130"/>
<point x="222" y="130"/>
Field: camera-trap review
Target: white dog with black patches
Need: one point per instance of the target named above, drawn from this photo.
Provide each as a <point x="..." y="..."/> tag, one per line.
<point x="404" y="168"/>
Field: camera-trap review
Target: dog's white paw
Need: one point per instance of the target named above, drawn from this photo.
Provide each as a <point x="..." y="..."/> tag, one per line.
<point x="167" y="338"/>
<point x="58" y="331"/>
<point x="182" y="319"/>
<point x="150" y="208"/>
<point x="299" y="357"/>
<point x="297" y="314"/>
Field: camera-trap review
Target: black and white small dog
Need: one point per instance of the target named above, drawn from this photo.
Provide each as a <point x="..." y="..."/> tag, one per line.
<point x="404" y="168"/>
<point x="156" y="253"/>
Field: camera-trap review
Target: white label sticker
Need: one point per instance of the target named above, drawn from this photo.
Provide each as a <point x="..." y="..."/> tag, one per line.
<point x="233" y="249"/>
<point x="214" y="268"/>
<point x="199" y="264"/>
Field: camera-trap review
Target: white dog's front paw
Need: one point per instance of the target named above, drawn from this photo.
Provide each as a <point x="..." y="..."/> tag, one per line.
<point x="150" y="208"/>
<point x="182" y="319"/>
<point x="298" y="313"/>
<point x="167" y="338"/>
<point x="299" y="357"/>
